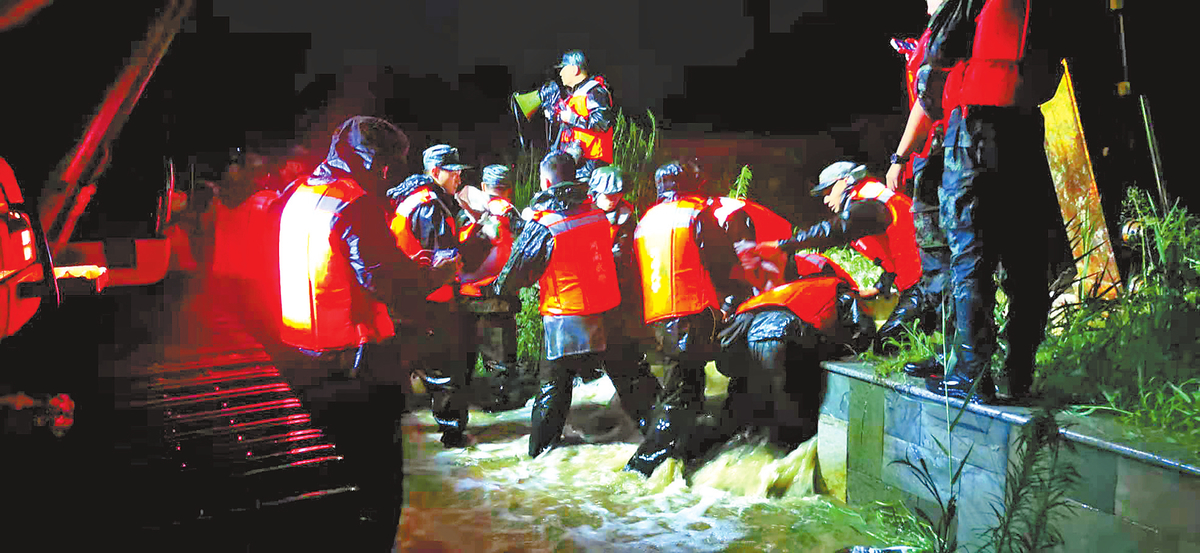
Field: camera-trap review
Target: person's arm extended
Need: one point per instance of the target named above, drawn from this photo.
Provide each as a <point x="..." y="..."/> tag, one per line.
<point x="432" y="226"/>
<point x="530" y="256"/>
<point x="721" y="260"/>
<point x="915" y="132"/>
<point x="379" y="266"/>
<point x="862" y="218"/>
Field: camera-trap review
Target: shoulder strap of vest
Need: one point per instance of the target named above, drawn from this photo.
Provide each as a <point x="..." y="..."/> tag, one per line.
<point x="592" y="83"/>
<point x="558" y="223"/>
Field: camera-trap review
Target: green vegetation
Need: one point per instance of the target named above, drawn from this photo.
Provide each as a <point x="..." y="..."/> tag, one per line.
<point x="1136" y="355"/>
<point x="1035" y="491"/>
<point x="741" y="185"/>
<point x="634" y="148"/>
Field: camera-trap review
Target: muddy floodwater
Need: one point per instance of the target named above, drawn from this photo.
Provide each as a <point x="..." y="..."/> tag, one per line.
<point x="493" y="497"/>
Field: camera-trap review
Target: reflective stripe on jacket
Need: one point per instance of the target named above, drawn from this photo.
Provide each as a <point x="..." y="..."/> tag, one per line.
<point x="896" y="249"/>
<point x="323" y="306"/>
<point x="674" y="281"/>
<point x="580" y="277"/>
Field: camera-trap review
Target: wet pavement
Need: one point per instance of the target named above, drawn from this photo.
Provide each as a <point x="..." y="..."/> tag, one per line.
<point x="187" y="437"/>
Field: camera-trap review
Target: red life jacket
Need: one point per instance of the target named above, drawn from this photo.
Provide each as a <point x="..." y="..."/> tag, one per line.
<point x="596" y="144"/>
<point x="767" y="225"/>
<point x="323" y="306"/>
<point x="407" y="241"/>
<point x="1001" y="71"/>
<point x="812" y="299"/>
<point x="581" y="278"/>
<point x="674" y="281"/>
<point x="896" y="249"/>
<point x="498" y="255"/>
<point x="913" y="60"/>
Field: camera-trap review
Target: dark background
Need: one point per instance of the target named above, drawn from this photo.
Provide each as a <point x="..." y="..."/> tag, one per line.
<point x="288" y="71"/>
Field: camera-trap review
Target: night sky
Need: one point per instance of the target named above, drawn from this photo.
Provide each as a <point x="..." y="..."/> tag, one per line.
<point x="762" y="67"/>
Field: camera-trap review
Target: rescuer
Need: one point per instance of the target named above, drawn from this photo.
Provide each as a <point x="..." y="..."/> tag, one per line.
<point x="425" y="226"/>
<point x="624" y="328"/>
<point x="687" y="264"/>
<point x="340" y="274"/>
<point x="990" y="65"/>
<point x="877" y="223"/>
<point x="565" y="248"/>
<point x="495" y="326"/>
<point x="786" y="332"/>
<point x="748" y="223"/>
<point x="918" y="159"/>
<point x="586" y="115"/>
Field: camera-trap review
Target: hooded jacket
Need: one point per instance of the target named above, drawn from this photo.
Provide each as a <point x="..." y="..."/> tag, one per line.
<point x="336" y="210"/>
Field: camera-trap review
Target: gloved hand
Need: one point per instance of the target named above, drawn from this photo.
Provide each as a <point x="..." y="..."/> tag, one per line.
<point x="737" y="330"/>
<point x="569" y="117"/>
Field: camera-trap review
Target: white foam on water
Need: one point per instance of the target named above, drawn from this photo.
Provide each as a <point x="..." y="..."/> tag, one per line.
<point x="578" y="496"/>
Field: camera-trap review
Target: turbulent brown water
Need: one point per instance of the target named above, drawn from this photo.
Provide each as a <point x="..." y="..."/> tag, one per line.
<point x="492" y="497"/>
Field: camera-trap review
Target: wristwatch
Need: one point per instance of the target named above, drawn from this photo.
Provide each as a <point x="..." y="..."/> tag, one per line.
<point x="897" y="159"/>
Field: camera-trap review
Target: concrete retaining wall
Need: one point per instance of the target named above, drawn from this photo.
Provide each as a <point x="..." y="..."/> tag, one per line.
<point x="1128" y="500"/>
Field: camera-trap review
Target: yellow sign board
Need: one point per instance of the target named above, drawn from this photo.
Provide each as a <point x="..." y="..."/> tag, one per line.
<point x="1075" y="184"/>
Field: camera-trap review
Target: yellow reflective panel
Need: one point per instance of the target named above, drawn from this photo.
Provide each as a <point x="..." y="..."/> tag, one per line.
<point x="294" y="287"/>
<point x="1075" y="183"/>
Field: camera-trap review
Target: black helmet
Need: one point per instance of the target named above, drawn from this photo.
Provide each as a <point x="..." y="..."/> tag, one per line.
<point x="679" y="177"/>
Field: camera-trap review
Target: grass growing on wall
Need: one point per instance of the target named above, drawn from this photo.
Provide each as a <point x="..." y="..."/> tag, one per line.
<point x="1137" y="355"/>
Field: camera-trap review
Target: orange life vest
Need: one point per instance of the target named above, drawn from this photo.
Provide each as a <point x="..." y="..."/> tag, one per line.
<point x="485" y="275"/>
<point x="580" y="278"/>
<point x="674" y="281"/>
<point x="408" y="242"/>
<point x="323" y="306"/>
<point x="896" y="249"/>
<point x="812" y="299"/>
<point x="596" y="144"/>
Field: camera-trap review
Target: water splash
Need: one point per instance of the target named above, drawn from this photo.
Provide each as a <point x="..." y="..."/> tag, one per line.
<point x="493" y="497"/>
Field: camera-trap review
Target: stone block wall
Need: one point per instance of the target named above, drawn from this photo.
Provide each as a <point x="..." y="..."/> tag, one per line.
<point x="1122" y="504"/>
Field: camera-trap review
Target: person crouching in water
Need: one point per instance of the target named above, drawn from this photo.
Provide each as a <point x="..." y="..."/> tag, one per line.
<point x="565" y="249"/>
<point x="877" y="222"/>
<point x="785" y="333"/>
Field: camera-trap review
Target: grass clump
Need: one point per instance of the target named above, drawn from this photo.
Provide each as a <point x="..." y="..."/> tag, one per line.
<point x="1135" y="354"/>
<point x="1035" y="490"/>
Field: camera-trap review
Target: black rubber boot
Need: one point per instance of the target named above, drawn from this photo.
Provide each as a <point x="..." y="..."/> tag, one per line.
<point x="931" y="367"/>
<point x="669" y="432"/>
<point x="907" y="312"/>
<point x="549" y="414"/>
